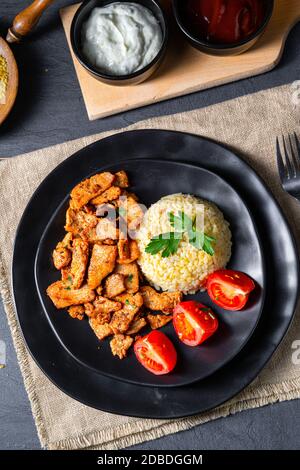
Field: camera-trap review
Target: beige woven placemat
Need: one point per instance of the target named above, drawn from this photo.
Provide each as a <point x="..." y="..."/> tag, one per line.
<point x="249" y="125"/>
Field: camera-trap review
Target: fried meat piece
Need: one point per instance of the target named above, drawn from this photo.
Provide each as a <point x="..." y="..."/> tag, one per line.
<point x="101" y="308"/>
<point x="67" y="241"/>
<point x="102" y="318"/>
<point x="90" y="234"/>
<point x="129" y="194"/>
<point x="89" y="310"/>
<point x="103" y="305"/>
<point x="121" y="179"/>
<point x="123" y="249"/>
<point x="64" y="296"/>
<point x="131" y="274"/>
<point x="101" y="331"/>
<point x="102" y="263"/>
<point x="66" y="276"/>
<point x="122" y="318"/>
<point x="80" y="254"/>
<point x="136" y="325"/>
<point x="120" y="344"/>
<point x="114" y="285"/>
<point x="128" y="251"/>
<point x="132" y="301"/>
<point x="61" y="257"/>
<point x="108" y="241"/>
<point x="90" y="188"/>
<point x="77" y="311"/>
<point x="157" y="321"/>
<point x="132" y="210"/>
<point x="107" y="229"/>
<point x="62" y="253"/>
<point x="99" y="290"/>
<point x="166" y="301"/>
<point x="111" y="194"/>
<point x="77" y="222"/>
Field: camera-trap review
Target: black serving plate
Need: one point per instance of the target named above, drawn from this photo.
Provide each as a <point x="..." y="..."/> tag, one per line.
<point x="282" y="279"/>
<point x="151" y="180"/>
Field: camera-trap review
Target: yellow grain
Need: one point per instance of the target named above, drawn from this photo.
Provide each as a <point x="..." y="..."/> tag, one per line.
<point x="188" y="268"/>
<point x="3" y="79"/>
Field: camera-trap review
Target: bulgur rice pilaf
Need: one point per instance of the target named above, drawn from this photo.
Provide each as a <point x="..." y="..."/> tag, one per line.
<point x="187" y="269"/>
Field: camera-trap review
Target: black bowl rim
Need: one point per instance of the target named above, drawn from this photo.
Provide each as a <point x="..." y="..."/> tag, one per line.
<point x="114" y="78"/>
<point x="223" y="46"/>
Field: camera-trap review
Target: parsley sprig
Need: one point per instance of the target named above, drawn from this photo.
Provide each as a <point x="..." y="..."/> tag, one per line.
<point x="168" y="242"/>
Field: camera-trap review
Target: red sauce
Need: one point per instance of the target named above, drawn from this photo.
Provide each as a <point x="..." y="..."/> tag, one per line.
<point x="224" y="21"/>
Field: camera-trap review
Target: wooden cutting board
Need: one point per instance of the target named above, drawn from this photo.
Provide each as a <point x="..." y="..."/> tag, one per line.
<point x="185" y="70"/>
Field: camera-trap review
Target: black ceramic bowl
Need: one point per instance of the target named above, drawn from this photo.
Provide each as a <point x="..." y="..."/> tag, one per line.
<point x="220" y="49"/>
<point x="134" y="78"/>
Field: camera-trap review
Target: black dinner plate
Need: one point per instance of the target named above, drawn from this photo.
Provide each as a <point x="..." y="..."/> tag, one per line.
<point x="151" y="180"/>
<point x="282" y="280"/>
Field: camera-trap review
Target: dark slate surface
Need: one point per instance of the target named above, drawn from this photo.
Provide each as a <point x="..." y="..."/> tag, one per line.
<point x="50" y="110"/>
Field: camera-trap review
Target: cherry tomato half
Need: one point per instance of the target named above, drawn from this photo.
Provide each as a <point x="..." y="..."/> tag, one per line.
<point x="229" y="289"/>
<point x="194" y="322"/>
<point x="156" y="353"/>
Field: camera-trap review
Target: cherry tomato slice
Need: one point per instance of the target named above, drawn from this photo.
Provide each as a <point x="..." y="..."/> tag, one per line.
<point x="229" y="289"/>
<point x="156" y="353"/>
<point x="194" y="322"/>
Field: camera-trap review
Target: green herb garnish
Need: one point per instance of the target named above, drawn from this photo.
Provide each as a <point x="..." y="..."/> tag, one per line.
<point x="127" y="302"/>
<point x="198" y="239"/>
<point x="168" y="242"/>
<point x="130" y="277"/>
<point x="180" y="222"/>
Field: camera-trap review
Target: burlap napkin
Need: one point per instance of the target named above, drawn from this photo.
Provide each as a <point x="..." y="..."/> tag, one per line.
<point x="249" y="125"/>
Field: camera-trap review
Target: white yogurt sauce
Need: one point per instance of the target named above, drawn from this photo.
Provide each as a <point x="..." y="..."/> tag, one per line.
<point x="121" y="38"/>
